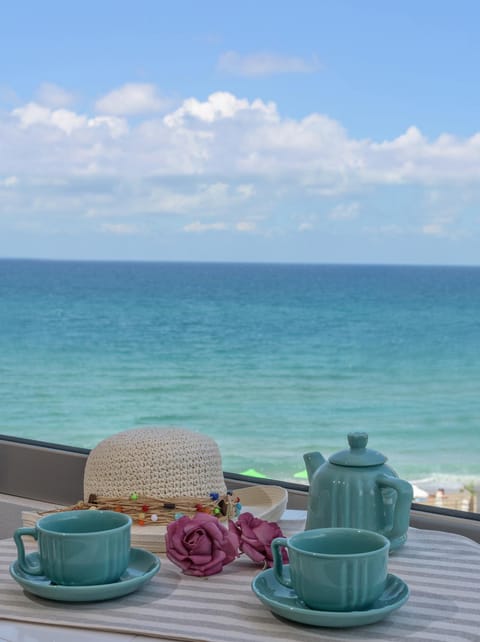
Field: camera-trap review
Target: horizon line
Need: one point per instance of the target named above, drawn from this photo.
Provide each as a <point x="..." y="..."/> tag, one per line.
<point x="237" y="262"/>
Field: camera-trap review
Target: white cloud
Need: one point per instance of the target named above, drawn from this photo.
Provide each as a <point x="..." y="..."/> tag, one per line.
<point x="444" y="223"/>
<point x="52" y="95"/>
<point x="245" y="226"/>
<point x="119" y="229"/>
<point x="33" y="114"/>
<point x="225" y="158"/>
<point x="344" y="212"/>
<point x="411" y="138"/>
<point x="9" y="181"/>
<point x="230" y="138"/>
<point x="246" y="191"/>
<point x="433" y="229"/>
<point x="412" y="158"/>
<point x="115" y="126"/>
<point x="218" y="106"/>
<point x="305" y="227"/>
<point x="390" y="230"/>
<point x="206" y="197"/>
<point x="198" y="227"/>
<point x="264" y="64"/>
<point x="131" y="99"/>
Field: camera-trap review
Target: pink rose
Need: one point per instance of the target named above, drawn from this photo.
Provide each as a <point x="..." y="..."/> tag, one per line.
<point x="254" y="538"/>
<point x="200" y="545"/>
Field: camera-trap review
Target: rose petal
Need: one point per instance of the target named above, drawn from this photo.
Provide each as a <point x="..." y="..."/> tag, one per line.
<point x="255" y="555"/>
<point x="184" y="563"/>
<point x="215" y="564"/>
<point x="199" y="543"/>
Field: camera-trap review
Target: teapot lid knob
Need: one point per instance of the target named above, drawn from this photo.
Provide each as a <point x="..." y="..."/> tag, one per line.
<point x="358" y="454"/>
<point x="357" y="439"/>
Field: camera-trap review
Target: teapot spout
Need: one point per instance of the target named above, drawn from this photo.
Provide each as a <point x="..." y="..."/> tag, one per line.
<point x="313" y="461"/>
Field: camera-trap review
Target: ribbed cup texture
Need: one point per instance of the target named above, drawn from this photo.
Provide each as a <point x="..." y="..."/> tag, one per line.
<point x="348" y="584"/>
<point x="77" y="560"/>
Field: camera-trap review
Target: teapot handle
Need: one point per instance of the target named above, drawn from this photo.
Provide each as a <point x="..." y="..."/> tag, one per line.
<point x="402" y="505"/>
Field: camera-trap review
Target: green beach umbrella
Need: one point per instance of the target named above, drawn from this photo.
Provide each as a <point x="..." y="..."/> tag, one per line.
<point x="301" y="475"/>
<point x="251" y="472"/>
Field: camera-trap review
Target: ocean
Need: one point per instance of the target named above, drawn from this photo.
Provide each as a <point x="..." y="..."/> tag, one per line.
<point x="271" y="360"/>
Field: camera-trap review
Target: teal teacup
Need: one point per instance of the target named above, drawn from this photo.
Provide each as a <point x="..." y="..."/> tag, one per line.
<point x="78" y="547"/>
<point x="334" y="569"/>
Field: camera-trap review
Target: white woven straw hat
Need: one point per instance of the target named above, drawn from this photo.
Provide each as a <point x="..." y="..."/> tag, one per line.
<point x="155" y="462"/>
<point x="156" y="474"/>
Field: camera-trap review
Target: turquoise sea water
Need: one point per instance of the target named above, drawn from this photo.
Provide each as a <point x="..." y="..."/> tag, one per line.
<point x="270" y="360"/>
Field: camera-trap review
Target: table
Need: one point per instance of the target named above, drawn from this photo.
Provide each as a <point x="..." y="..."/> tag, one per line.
<point x="441" y="569"/>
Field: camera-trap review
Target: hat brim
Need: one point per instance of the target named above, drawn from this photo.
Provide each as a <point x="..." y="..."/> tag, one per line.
<point x="263" y="501"/>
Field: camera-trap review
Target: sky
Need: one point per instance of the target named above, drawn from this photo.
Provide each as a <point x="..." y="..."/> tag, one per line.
<point x="345" y="131"/>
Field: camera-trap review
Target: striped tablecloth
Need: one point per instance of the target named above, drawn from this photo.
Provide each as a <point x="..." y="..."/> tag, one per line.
<point x="442" y="570"/>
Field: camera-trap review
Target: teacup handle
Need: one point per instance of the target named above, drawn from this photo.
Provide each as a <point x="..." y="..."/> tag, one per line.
<point x="27" y="567"/>
<point x="277" y="544"/>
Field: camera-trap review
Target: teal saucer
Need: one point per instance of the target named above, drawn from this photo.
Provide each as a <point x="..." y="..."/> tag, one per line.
<point x="285" y="602"/>
<point x="142" y="566"/>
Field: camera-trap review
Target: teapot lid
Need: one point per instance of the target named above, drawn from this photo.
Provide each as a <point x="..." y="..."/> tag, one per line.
<point x="358" y="454"/>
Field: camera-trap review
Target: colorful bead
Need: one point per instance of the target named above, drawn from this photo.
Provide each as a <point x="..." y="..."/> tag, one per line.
<point x="217" y="511"/>
<point x="141" y="516"/>
<point x="178" y="515"/>
<point x="145" y="508"/>
<point x="134" y="496"/>
<point x="214" y="496"/>
<point x="154" y="517"/>
<point x="141" y="522"/>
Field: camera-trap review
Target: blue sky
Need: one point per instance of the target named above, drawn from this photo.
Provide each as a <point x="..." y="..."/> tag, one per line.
<point x="304" y="131"/>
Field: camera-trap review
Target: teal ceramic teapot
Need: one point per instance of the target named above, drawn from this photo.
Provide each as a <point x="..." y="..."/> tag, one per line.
<point x="355" y="488"/>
